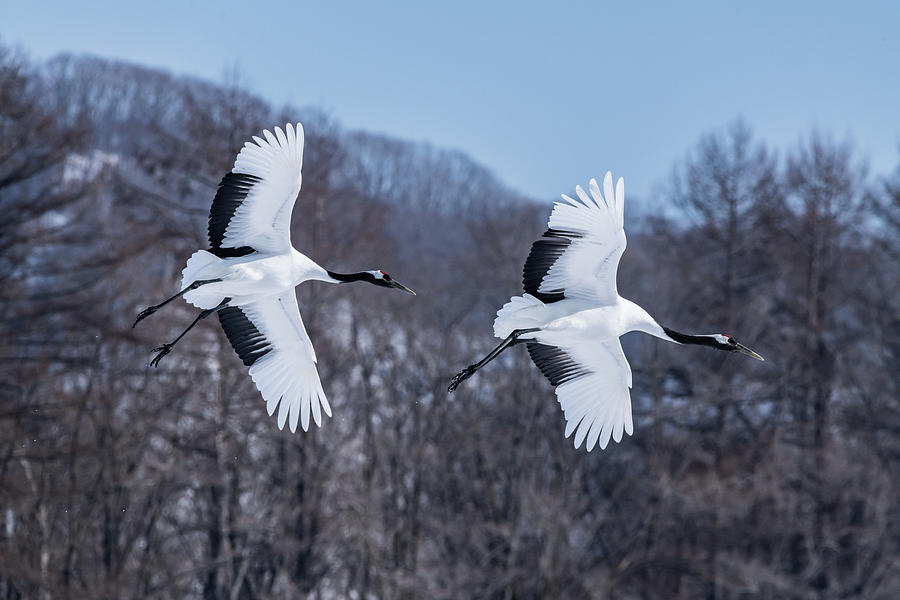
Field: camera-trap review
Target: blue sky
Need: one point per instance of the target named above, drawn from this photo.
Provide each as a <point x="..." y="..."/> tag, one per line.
<point x="546" y="95"/>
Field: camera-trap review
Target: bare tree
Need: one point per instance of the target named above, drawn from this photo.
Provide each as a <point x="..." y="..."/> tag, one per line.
<point x="776" y="480"/>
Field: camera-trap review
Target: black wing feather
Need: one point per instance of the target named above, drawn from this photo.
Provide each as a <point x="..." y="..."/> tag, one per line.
<point x="232" y="192"/>
<point x="245" y="338"/>
<point x="555" y="364"/>
<point x="544" y="253"/>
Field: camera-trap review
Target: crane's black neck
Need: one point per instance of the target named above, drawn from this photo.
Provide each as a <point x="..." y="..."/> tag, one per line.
<point x="348" y="277"/>
<point x="684" y="338"/>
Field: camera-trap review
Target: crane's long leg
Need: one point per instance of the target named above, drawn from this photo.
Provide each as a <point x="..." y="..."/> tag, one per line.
<point x="152" y="309"/>
<point x="166" y="348"/>
<point x="511" y="340"/>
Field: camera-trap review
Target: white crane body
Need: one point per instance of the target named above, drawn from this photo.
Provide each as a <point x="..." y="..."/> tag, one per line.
<point x="246" y="279"/>
<point x="249" y="273"/>
<point x="571" y="316"/>
<point x="568" y="320"/>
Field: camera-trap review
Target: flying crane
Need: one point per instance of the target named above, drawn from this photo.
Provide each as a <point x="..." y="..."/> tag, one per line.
<point x="571" y="316"/>
<point x="249" y="273"/>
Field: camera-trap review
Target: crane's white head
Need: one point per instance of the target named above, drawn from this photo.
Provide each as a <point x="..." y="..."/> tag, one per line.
<point x="723" y="341"/>
<point x="381" y="278"/>
<point x="719" y="341"/>
<point x="378" y="277"/>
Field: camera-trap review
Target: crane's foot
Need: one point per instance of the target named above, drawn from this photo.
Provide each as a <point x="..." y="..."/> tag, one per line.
<point x="163" y="350"/>
<point x="144" y="314"/>
<point x="460" y="377"/>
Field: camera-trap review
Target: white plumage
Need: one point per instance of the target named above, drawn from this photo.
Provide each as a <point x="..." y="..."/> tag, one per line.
<point x="587" y="269"/>
<point x="249" y="273"/>
<point x="571" y="315"/>
<point x="263" y="220"/>
<point x="586" y="324"/>
<point x="288" y="374"/>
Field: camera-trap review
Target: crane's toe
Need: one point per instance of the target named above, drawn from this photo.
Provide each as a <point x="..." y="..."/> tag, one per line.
<point x="143" y="315"/>
<point x="460" y="377"/>
<point x="163" y="350"/>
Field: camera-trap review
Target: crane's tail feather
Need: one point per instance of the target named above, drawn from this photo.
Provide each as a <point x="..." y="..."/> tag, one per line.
<point x="521" y="312"/>
<point x="202" y="265"/>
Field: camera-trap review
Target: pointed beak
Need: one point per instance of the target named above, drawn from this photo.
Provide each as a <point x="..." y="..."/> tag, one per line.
<point x="745" y="350"/>
<point x="400" y="286"/>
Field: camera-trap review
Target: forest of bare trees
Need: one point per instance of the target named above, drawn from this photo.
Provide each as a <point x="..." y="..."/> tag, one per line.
<point x="742" y="480"/>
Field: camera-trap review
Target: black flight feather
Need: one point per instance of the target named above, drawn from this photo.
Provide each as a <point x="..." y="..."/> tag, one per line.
<point x="544" y="254"/>
<point x="245" y="338"/>
<point x="555" y="364"/>
<point x="232" y="192"/>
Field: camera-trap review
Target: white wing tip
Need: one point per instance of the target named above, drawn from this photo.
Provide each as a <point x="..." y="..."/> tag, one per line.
<point x="285" y="146"/>
<point x="298" y="410"/>
<point x="611" y="196"/>
<point x="612" y="432"/>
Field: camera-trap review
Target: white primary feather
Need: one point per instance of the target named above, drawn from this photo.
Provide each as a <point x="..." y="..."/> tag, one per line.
<point x="287" y="377"/>
<point x="263" y="219"/>
<point x="587" y="268"/>
<point x="597" y="406"/>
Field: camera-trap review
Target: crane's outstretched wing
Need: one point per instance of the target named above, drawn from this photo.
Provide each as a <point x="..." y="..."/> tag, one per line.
<point x="252" y="207"/>
<point x="592" y="380"/>
<point x="578" y="255"/>
<point x="269" y="337"/>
